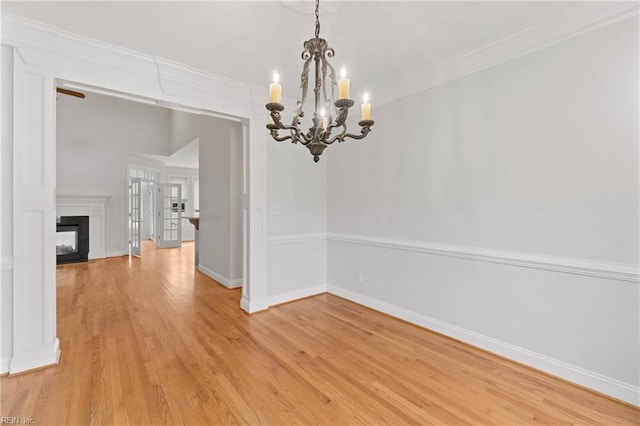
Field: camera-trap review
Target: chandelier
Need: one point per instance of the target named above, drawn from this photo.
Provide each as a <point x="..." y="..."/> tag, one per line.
<point x="330" y="113"/>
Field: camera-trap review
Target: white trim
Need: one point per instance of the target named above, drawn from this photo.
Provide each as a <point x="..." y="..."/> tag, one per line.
<point x="296" y="238"/>
<point x="297" y="294"/>
<point x="6" y="263"/>
<point x="578" y="21"/>
<point x="93" y="206"/>
<point x="18" y="365"/>
<point x="49" y="56"/>
<point x="591" y="268"/>
<point x="118" y="253"/>
<point x="227" y="282"/>
<point x="254" y="305"/>
<point x="4" y="365"/>
<point x="19" y="31"/>
<point x="572" y="373"/>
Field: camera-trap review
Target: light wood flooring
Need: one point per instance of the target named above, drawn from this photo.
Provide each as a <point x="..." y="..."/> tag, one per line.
<point x="152" y="341"/>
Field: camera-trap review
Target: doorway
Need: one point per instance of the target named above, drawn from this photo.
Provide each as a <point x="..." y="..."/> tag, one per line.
<point x="155" y="211"/>
<point x="34" y="107"/>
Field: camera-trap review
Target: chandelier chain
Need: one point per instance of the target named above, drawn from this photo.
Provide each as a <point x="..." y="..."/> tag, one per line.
<point x="317" y="18"/>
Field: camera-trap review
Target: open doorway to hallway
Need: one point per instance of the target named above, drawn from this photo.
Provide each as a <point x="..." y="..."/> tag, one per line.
<point x="197" y="158"/>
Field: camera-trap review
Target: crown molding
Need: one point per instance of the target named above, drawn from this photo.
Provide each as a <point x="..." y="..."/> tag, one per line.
<point x="23" y="33"/>
<point x="20" y="31"/>
<point x="536" y="37"/>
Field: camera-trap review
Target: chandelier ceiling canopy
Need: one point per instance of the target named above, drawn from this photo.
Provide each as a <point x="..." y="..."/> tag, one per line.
<point x="329" y="112"/>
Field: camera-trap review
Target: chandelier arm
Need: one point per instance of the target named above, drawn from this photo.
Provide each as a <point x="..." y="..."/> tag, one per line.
<point x="339" y="137"/>
<point x="295" y="136"/>
<point x="363" y="133"/>
<point x="277" y="125"/>
<point x="275" y="136"/>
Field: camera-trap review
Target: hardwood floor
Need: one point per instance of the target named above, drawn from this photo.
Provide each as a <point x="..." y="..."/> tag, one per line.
<point x="152" y="341"/>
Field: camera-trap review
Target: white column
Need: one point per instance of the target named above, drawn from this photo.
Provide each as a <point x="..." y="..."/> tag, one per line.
<point x="254" y="220"/>
<point x="34" y="297"/>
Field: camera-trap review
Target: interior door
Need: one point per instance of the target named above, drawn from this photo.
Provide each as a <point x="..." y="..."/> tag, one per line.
<point x="169" y="210"/>
<point x="152" y="211"/>
<point x="135" y="216"/>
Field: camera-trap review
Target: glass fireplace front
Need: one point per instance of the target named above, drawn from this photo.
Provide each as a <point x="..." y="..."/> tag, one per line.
<point x="66" y="240"/>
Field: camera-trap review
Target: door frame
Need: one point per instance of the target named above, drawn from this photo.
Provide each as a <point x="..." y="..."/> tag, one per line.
<point x="43" y="58"/>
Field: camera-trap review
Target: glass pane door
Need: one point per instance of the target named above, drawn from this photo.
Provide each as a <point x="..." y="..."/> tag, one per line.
<point x="169" y="210"/>
<point x="135" y="217"/>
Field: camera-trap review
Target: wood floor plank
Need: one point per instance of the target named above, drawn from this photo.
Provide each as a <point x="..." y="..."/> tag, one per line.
<point x="153" y="341"/>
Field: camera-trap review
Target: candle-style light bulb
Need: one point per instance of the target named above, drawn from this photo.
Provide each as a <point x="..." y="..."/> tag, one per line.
<point x="365" y="108"/>
<point x="343" y="85"/>
<point x="275" y="89"/>
<point x="325" y="120"/>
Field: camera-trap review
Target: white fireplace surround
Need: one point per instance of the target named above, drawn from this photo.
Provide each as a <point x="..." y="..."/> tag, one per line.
<point x="94" y="207"/>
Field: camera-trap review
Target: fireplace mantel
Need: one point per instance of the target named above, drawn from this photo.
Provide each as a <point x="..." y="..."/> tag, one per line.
<point x="94" y="207"/>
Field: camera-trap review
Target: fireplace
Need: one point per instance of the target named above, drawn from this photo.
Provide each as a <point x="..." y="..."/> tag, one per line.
<point x="72" y="239"/>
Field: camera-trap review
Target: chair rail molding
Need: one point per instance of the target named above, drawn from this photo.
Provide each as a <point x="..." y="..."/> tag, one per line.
<point x="609" y="270"/>
<point x="296" y="238"/>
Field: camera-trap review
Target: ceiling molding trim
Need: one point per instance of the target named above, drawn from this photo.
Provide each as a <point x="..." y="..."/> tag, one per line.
<point x="515" y="45"/>
<point x="18" y="31"/>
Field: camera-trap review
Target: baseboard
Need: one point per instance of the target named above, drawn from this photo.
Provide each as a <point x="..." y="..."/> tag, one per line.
<point x="97" y="254"/>
<point x="19" y="365"/>
<point x="229" y="283"/>
<point x="237" y="283"/>
<point x="252" y="306"/>
<point x="297" y="294"/>
<point x="117" y="253"/>
<point x="4" y="365"/>
<point x="606" y="385"/>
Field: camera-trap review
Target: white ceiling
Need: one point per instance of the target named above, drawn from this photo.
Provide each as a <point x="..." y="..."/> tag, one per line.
<point x="377" y="41"/>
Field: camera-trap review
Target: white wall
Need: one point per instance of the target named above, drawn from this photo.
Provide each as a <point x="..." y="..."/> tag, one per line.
<point x="183" y="130"/>
<point x="6" y="213"/>
<point x="94" y="138"/>
<point x="297" y="212"/>
<point x="235" y="202"/>
<point x="536" y="158"/>
<point x="218" y="204"/>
